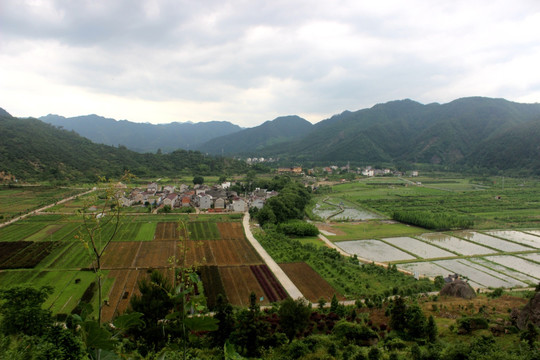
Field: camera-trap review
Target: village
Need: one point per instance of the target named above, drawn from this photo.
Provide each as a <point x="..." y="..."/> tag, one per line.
<point x="200" y="197"/>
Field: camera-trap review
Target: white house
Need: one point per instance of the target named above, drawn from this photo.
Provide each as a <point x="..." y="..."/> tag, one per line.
<point x="258" y="203"/>
<point x="152" y="187"/>
<point x="238" y="205"/>
<point x="169" y="188"/>
<point x="219" y="203"/>
<point x="204" y="201"/>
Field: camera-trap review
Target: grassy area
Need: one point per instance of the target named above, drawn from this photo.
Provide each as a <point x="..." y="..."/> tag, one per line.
<point x="373" y="230"/>
<point x="488" y="202"/>
<point x="23" y="199"/>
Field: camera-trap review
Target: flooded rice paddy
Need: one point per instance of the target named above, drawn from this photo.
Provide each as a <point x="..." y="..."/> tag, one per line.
<point x="482" y="258"/>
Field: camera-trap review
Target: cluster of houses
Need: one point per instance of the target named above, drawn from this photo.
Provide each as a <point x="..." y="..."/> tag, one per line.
<point x="366" y="171"/>
<point x="202" y="197"/>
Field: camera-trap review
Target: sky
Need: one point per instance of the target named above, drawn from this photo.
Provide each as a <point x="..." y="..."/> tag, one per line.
<point x="248" y="61"/>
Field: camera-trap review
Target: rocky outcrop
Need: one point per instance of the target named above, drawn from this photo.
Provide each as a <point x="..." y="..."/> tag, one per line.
<point x="458" y="288"/>
<point x="529" y="313"/>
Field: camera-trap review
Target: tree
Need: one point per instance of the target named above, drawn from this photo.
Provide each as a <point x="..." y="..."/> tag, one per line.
<point x="249" y="328"/>
<point x="154" y="302"/>
<point x="22" y="314"/>
<point x="224" y="314"/>
<point x="398" y="316"/>
<point x="198" y="180"/>
<point x="431" y="330"/>
<point x="21" y="310"/>
<point x="100" y="227"/>
<point x="293" y="316"/>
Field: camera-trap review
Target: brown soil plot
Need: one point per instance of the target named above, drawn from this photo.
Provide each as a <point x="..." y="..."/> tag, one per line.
<point x="234" y="252"/>
<point x="166" y="231"/>
<point x="309" y="282"/>
<point x="239" y="282"/>
<point x="155" y="254"/>
<point x="231" y="230"/>
<point x="121" y="255"/>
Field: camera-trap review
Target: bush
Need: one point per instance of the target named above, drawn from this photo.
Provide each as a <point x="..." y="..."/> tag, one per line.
<point x="468" y="324"/>
<point x="298" y="228"/>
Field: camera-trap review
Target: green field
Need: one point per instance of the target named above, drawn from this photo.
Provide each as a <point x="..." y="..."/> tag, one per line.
<point x="23" y="199"/>
<point x="487" y="201"/>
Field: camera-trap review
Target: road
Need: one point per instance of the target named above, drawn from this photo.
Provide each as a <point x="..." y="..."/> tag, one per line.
<point x="287" y="284"/>
<point x="44" y="208"/>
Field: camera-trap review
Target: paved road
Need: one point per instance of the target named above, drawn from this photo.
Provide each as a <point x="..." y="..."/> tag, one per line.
<point x="44" y="208"/>
<point x="288" y="285"/>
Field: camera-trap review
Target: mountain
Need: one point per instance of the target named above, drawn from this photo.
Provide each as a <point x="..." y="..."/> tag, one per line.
<point x="405" y="130"/>
<point x="4" y="113"/>
<point x="143" y="137"/>
<point x="33" y="150"/>
<point x="249" y="141"/>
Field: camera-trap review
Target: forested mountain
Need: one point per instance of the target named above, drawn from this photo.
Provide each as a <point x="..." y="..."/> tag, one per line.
<point x="249" y="141"/>
<point x="143" y="137"/>
<point x="31" y="149"/>
<point x="455" y="133"/>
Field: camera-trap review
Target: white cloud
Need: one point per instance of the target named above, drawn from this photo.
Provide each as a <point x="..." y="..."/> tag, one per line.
<point x="250" y="61"/>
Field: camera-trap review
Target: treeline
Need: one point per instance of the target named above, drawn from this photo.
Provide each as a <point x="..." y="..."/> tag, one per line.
<point x="433" y="221"/>
<point x="289" y="204"/>
<point x="33" y="150"/>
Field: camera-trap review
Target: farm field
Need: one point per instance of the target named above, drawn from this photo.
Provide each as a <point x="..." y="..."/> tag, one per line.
<point x="309" y="282"/>
<point x="16" y="200"/>
<point x="375" y="250"/>
<point x="483" y="259"/>
<point x="514" y="205"/>
<point x="46" y="246"/>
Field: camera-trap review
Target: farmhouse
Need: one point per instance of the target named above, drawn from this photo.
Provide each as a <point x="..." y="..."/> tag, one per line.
<point x="170" y="200"/>
<point x="238" y="204"/>
<point x="204" y="201"/>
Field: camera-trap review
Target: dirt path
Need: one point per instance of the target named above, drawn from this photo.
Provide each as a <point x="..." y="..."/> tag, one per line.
<point x="44" y="208"/>
<point x="287" y="284"/>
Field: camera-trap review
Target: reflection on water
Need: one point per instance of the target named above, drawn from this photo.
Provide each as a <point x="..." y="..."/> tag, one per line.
<point x="347" y="214"/>
<point x="456" y="245"/>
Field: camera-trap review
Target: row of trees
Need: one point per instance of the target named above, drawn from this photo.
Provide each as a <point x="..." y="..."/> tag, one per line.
<point x="433" y="221"/>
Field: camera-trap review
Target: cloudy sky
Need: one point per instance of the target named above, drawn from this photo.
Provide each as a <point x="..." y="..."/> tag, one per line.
<point x="249" y="61"/>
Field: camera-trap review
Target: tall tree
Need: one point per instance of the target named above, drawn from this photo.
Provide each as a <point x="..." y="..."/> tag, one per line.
<point x="293" y="316"/>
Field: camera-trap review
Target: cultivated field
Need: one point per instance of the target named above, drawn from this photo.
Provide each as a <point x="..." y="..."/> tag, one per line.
<point x="309" y="282"/>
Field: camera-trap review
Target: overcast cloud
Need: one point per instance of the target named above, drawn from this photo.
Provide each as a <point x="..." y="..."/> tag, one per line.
<point x="250" y="61"/>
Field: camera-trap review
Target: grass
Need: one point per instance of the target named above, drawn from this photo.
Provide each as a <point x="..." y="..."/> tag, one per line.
<point x="18" y="200"/>
<point x="373" y="230"/>
<point x="146" y="231"/>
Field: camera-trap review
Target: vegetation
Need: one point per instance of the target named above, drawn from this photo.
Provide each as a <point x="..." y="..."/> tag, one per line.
<point x="433" y="221"/>
<point x="34" y="150"/>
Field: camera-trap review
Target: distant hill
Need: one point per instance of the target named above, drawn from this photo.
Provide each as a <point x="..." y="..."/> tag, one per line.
<point x="143" y="137"/>
<point x="4" y="113"/>
<point x="33" y="150"/>
<point x="249" y="141"/>
<point x="407" y="131"/>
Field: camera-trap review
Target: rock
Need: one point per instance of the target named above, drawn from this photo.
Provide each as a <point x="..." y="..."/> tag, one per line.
<point x="529" y="313"/>
<point x="458" y="288"/>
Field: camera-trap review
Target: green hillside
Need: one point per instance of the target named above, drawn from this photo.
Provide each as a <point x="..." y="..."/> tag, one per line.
<point x="31" y="149"/>
<point x="406" y="131"/>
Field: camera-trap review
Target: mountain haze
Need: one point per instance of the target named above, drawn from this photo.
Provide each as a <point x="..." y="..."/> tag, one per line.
<point x="143" y="137"/>
<point x="249" y="141"/>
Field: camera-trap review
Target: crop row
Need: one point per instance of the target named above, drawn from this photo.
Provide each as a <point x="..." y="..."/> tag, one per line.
<point x="200" y="230"/>
<point x="271" y="287"/>
<point x="30" y="256"/>
<point x="213" y="285"/>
